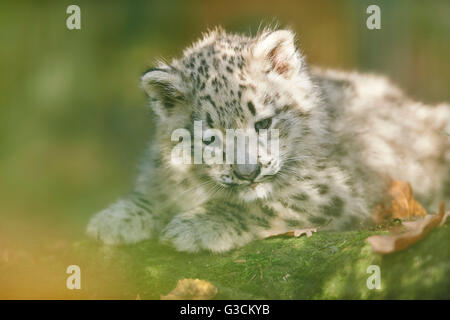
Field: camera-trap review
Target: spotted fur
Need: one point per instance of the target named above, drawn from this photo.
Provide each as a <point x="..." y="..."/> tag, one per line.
<point x="343" y="136"/>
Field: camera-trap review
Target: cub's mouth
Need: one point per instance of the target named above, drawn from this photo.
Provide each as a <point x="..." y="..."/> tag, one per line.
<point x="252" y="185"/>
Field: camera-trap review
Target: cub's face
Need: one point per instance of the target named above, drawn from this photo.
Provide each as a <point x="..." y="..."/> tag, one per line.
<point x="241" y="108"/>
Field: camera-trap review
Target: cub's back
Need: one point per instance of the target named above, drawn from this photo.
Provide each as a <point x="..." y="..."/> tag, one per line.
<point x="388" y="133"/>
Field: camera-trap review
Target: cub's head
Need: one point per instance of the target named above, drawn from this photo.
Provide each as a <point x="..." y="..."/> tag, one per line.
<point x="256" y="87"/>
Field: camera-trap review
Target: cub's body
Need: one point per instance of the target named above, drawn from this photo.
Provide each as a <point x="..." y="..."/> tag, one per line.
<point x="343" y="137"/>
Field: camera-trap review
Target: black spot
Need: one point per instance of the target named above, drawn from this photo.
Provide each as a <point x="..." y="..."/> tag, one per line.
<point x="229" y="69"/>
<point x="225" y="80"/>
<point x="216" y="63"/>
<point x="243" y="226"/>
<point x="317" y="220"/>
<point x="263" y="124"/>
<point x="209" y="120"/>
<point x="334" y="208"/>
<point x="323" y="188"/>
<point x="306" y="131"/>
<point x="267" y="211"/>
<point x="268" y="99"/>
<point x="142" y="206"/>
<point x="251" y="107"/>
<point x="262" y="222"/>
<point x="192" y="117"/>
<point x="168" y="104"/>
<point x="296" y="208"/>
<point x="144" y="200"/>
<point x="208" y="98"/>
<point x="301" y="197"/>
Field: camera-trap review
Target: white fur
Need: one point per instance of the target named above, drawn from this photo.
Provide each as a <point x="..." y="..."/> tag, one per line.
<point x="345" y="135"/>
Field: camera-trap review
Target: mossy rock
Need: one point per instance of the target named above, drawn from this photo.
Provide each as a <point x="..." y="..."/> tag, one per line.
<point x="328" y="265"/>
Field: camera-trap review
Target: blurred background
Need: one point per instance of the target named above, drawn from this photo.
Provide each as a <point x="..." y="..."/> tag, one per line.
<point x="73" y="120"/>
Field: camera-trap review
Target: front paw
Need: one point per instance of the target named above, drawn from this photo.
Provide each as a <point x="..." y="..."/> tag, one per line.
<point x="192" y="234"/>
<point x="121" y="223"/>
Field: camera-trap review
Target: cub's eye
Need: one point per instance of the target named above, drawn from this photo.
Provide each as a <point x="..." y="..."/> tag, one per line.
<point x="263" y="124"/>
<point x="211" y="140"/>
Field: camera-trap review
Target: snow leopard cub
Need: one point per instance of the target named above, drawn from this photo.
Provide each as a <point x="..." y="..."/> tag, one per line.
<point x="342" y="137"/>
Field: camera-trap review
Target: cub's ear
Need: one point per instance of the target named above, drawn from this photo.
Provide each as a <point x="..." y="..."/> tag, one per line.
<point x="277" y="51"/>
<point x="164" y="87"/>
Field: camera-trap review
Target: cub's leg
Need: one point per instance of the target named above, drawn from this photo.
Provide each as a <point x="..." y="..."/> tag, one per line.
<point x="213" y="228"/>
<point x="128" y="220"/>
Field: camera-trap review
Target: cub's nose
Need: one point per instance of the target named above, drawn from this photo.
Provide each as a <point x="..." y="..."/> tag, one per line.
<point x="247" y="171"/>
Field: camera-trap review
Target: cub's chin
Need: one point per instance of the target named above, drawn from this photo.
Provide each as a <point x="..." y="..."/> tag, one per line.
<point x="261" y="190"/>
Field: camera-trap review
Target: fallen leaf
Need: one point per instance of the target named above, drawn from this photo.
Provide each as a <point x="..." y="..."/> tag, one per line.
<point x="402" y="204"/>
<point x="444" y="219"/>
<point x="415" y="231"/>
<point x="192" y="289"/>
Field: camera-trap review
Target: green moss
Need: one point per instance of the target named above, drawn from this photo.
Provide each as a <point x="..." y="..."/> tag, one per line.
<point x="328" y="265"/>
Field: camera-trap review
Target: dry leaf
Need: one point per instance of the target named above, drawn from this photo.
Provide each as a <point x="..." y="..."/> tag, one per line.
<point x="444" y="219"/>
<point x="192" y="289"/>
<point x="415" y="231"/>
<point x="402" y="204"/>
